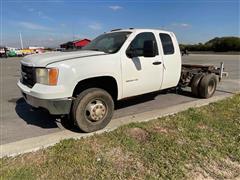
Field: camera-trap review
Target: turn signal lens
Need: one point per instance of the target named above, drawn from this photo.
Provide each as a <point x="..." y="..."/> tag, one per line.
<point x="53" y="76"/>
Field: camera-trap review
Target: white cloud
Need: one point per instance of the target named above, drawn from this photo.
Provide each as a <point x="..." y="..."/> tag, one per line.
<point x="182" y="25"/>
<point x="95" y="26"/>
<point x="185" y="25"/>
<point x="39" y="14"/>
<point x="50" y="39"/>
<point x="31" y="9"/>
<point x="33" y="26"/>
<point x="43" y="16"/>
<point x="77" y="36"/>
<point x="115" y="8"/>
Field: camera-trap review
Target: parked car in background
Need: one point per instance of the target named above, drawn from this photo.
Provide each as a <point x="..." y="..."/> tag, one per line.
<point x="16" y="52"/>
<point x="2" y="52"/>
<point x="59" y="49"/>
<point x="11" y="53"/>
<point x="19" y="52"/>
<point x="39" y="51"/>
<point x="27" y="52"/>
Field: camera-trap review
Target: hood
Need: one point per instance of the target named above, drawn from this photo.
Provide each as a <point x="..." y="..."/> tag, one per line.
<point x="42" y="60"/>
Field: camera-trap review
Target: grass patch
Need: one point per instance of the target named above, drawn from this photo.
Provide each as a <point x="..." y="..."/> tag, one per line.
<point x="197" y="143"/>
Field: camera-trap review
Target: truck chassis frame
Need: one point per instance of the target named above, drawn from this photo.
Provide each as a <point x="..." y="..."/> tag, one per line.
<point x="191" y="70"/>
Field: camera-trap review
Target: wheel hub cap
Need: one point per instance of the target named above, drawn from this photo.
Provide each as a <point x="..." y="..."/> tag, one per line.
<point x="96" y="110"/>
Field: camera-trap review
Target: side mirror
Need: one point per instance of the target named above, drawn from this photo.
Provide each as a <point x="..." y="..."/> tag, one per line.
<point x="148" y="49"/>
<point x="131" y="53"/>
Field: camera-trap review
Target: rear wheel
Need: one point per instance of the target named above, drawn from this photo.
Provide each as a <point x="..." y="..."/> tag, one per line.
<point x="207" y="86"/>
<point x="93" y="109"/>
<point x="195" y="84"/>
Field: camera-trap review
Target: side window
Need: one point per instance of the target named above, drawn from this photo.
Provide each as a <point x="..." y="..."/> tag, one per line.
<point x="167" y="44"/>
<point x="138" y="42"/>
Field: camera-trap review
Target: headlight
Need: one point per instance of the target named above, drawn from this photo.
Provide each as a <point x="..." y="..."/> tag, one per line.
<point x="48" y="76"/>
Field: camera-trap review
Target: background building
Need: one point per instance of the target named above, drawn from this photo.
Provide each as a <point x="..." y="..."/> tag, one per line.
<point x="78" y="44"/>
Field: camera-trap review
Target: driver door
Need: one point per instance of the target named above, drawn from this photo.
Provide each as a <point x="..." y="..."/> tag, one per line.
<point x="141" y="74"/>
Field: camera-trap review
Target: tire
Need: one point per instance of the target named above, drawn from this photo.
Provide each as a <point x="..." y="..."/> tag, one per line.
<point x="67" y="122"/>
<point x="207" y="86"/>
<point x="92" y="109"/>
<point x="195" y="84"/>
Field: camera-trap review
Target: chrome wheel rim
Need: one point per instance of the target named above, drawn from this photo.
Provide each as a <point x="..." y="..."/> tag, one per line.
<point x="96" y="110"/>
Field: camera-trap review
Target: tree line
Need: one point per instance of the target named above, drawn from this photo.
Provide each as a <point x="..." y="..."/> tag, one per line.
<point x="217" y="44"/>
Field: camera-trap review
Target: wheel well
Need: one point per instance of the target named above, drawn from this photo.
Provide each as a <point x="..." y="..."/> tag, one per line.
<point x="107" y="83"/>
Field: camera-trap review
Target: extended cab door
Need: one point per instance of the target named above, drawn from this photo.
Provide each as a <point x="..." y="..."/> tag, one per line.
<point x="141" y="74"/>
<point x="172" y="61"/>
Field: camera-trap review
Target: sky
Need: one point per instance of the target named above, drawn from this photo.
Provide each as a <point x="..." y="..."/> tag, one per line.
<point x="49" y="23"/>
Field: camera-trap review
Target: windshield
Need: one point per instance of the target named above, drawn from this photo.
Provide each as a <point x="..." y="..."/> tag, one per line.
<point x="108" y="43"/>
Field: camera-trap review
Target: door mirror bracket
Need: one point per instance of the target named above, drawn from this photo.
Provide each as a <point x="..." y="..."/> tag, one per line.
<point x="131" y="53"/>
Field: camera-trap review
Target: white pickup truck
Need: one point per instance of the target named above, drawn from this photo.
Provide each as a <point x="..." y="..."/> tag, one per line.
<point x="116" y="65"/>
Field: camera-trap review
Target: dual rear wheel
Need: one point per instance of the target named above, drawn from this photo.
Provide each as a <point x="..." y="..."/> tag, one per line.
<point x="204" y="85"/>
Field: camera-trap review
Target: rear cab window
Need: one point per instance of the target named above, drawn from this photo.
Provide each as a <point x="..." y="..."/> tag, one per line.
<point x="167" y="44"/>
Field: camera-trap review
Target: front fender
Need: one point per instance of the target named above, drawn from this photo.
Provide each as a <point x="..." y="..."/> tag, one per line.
<point x="73" y="71"/>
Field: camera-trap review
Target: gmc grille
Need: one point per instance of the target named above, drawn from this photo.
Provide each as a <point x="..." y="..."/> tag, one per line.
<point x="28" y="76"/>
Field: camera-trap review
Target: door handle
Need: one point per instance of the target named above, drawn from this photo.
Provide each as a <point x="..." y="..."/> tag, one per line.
<point x="157" y="63"/>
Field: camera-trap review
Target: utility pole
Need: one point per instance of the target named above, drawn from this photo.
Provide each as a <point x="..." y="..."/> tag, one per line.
<point x="21" y="40"/>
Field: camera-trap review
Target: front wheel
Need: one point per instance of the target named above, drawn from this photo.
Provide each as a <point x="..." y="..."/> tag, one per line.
<point x="93" y="109"/>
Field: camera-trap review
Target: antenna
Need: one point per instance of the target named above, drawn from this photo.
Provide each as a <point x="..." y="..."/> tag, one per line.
<point x="20" y="35"/>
